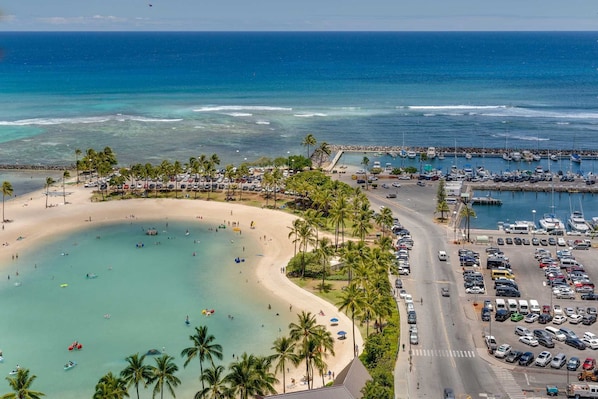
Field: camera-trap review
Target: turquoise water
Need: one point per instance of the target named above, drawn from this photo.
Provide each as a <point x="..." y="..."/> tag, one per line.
<point x="147" y="292"/>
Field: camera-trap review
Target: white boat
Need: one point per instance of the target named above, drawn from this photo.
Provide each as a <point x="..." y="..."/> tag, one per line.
<point x="554" y="157"/>
<point x="403" y="153"/>
<point x="467" y="155"/>
<point x="550" y="222"/>
<point x="69" y="365"/>
<point x="527" y="156"/>
<point x="577" y="222"/>
<point x="536" y="157"/>
<point x="506" y="156"/>
<point x="431" y="153"/>
<point x="516" y="156"/>
<point x="441" y="156"/>
<point x="411" y="154"/>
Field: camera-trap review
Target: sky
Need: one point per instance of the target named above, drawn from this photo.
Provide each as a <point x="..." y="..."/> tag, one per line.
<point x="294" y="15"/>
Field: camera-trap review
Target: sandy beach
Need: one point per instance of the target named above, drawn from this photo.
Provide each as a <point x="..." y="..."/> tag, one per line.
<point x="32" y="224"/>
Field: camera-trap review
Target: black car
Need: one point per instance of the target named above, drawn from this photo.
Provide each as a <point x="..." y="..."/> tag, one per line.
<point x="535" y="241"/>
<point x="513" y="356"/>
<point x="500" y="241"/>
<point x="502" y="315"/>
<point x="547" y="342"/>
<point x="588" y="319"/>
<point x="508" y="292"/>
<point x="573" y="363"/>
<point x="526" y="241"/>
<point x="544" y="318"/>
<point x="526" y="359"/>
<point x="486" y="314"/>
<point x="398" y="283"/>
<point x="576" y="343"/>
<point x="509" y="240"/>
<point x="518" y="241"/>
<point x="412" y="318"/>
<point x="590" y="296"/>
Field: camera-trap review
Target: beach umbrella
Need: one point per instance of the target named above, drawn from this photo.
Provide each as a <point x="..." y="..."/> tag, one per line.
<point x="334" y="320"/>
<point x="341" y="333"/>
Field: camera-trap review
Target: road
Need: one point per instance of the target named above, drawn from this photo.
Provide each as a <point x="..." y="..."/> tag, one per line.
<point x="446" y="355"/>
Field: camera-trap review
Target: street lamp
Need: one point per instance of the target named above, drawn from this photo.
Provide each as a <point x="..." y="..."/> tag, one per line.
<point x="455" y="225"/>
<point x="534" y="213"/>
<point x="465" y="200"/>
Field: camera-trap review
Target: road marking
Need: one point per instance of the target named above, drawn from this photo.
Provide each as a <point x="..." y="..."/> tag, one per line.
<point x="443" y="353"/>
<point x="508" y="383"/>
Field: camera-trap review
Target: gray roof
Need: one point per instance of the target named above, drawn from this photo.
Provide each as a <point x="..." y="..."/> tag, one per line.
<point x="347" y="385"/>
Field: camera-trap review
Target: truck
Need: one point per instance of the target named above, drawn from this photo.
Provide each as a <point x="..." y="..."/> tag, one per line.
<point x="580" y="391"/>
<point x="588" y="375"/>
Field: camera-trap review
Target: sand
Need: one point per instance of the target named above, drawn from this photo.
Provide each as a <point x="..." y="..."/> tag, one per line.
<point x="31" y="223"/>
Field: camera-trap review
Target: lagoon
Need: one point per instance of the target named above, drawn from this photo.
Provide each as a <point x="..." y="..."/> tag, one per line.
<point x="145" y="288"/>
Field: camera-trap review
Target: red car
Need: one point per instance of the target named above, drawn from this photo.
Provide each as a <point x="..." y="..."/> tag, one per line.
<point x="589" y="363"/>
<point x="546" y="309"/>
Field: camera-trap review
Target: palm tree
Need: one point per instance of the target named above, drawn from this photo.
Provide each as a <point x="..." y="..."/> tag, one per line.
<point x="6" y="191"/>
<point x="467" y="212"/>
<point x="339" y="211"/>
<point x="111" y="387"/>
<point x="362" y="224"/>
<point x="324" y="252"/>
<point x="250" y="376"/>
<point x="21" y="385"/>
<point x="163" y="375"/>
<point x="384" y="219"/>
<point x="352" y="299"/>
<point x="217" y="388"/>
<point x="309" y="140"/>
<point x="49" y="182"/>
<point x="365" y="162"/>
<point x="136" y="372"/>
<point x="177" y="169"/>
<point x="295" y="232"/>
<point x="301" y="332"/>
<point x="442" y="207"/>
<point x="284" y="353"/>
<point x="305" y="238"/>
<point x="65" y="175"/>
<point x="77" y="154"/>
<point x="203" y="348"/>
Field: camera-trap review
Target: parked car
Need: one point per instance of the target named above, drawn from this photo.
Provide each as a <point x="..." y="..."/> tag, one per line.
<point x="546" y="342"/>
<point x="486" y="315"/>
<point x="516" y="316"/>
<point x="531" y="317"/>
<point x="513" y="356"/>
<point x="526" y="359"/>
<point x="491" y="342"/>
<point x="501" y="315"/>
<point x="558" y="361"/>
<point x="589" y="363"/>
<point x="544" y="318"/>
<point x="559" y="319"/>
<point x="543" y="359"/>
<point x="573" y="363"/>
<point x="576" y="343"/>
<point x="522" y="331"/>
<point x="529" y="340"/>
<point x="502" y="351"/>
<point x="575" y="319"/>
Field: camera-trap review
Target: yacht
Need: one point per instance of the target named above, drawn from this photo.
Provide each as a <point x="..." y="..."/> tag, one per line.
<point x="506" y="156"/>
<point x="575" y="157"/>
<point x="441" y="156"/>
<point x="554" y="157"/>
<point x="411" y="154"/>
<point x="467" y="155"/>
<point x="550" y="222"/>
<point x="516" y="156"/>
<point x="431" y="153"/>
<point x="577" y="222"/>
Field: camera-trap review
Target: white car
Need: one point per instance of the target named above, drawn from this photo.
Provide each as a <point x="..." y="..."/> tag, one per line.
<point x="559" y="319"/>
<point x="475" y="290"/>
<point x="396" y="185"/>
<point x="402" y="294"/>
<point x="531" y="317"/>
<point x="403" y="271"/>
<point x="575" y="319"/>
<point x="502" y="351"/>
<point x="590" y="342"/>
<point x="543" y="359"/>
<point x="557" y="310"/>
<point x="569" y="311"/>
<point x="590" y="335"/>
<point x="528" y="340"/>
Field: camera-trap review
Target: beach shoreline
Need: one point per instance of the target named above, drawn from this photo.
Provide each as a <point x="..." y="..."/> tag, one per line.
<point x="31" y="224"/>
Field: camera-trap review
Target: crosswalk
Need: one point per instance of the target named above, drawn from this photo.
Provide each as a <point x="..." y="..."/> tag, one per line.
<point x="442" y="353"/>
<point x="508" y="383"/>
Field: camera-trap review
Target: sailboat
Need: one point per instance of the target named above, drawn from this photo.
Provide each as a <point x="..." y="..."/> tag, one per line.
<point x="577" y="222"/>
<point x="574" y="157"/>
<point x="550" y="222"/>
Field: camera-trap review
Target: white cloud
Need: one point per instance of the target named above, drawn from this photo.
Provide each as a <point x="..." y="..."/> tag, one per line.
<point x="81" y="20"/>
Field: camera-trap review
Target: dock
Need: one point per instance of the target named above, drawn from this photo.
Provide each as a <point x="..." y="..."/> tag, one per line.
<point x="486" y="201"/>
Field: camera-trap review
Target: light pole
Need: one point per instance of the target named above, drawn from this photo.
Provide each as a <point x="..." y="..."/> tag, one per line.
<point x="534" y="231"/>
<point x="455" y="225"/>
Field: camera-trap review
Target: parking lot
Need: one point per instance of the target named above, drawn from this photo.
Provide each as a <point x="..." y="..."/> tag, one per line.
<point x="535" y="284"/>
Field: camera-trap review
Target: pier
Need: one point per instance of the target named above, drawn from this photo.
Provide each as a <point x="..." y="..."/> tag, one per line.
<point x="486" y="201"/>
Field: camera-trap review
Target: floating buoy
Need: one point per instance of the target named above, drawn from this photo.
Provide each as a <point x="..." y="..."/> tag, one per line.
<point x="64" y="285"/>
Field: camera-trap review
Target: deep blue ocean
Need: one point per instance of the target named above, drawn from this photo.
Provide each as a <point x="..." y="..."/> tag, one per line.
<point x="156" y="96"/>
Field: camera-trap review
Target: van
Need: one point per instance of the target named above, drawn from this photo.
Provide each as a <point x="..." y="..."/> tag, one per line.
<point x="555" y="333"/>
<point x="523" y="307"/>
<point x="442" y="255"/>
<point x="500" y="304"/>
<point x="512" y="305"/>
<point x="501" y="273"/>
<point x="568" y="262"/>
<point x="534" y="307"/>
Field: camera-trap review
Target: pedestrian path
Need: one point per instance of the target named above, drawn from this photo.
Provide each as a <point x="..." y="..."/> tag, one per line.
<point x="508" y="383"/>
<point x="442" y="353"/>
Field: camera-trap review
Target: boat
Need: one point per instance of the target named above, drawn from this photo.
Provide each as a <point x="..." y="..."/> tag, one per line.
<point x="69" y="365"/>
<point x="467" y="155"/>
<point x="577" y="222"/>
<point x="554" y="157"/>
<point x="431" y="153"/>
<point x="506" y="156"/>
<point x="15" y="370"/>
<point x="441" y="156"/>
<point x="575" y="157"/>
<point x="75" y="346"/>
<point x="516" y="156"/>
<point x="550" y="222"/>
<point x="91" y="275"/>
<point x="403" y="153"/>
<point x="411" y="154"/>
<point x="153" y="352"/>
